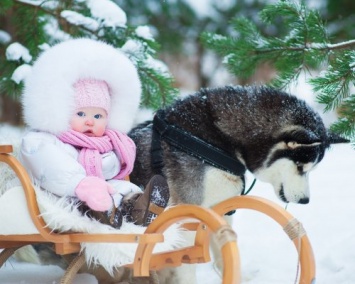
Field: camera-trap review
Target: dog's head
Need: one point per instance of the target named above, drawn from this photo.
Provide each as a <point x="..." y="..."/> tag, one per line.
<point x="279" y="137"/>
<point x="290" y="160"/>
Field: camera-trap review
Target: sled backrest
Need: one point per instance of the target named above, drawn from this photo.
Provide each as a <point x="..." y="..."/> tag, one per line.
<point x="38" y="221"/>
<point x="65" y="243"/>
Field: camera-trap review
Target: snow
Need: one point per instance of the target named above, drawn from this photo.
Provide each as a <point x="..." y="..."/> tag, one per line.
<point x="325" y="220"/>
<point x="133" y="48"/>
<point x="144" y="32"/>
<point x="17" y="51"/>
<point x="341" y="44"/>
<point x="201" y="8"/>
<point x="21" y="73"/>
<point x="107" y="12"/>
<point x="157" y="65"/>
<point x="206" y="8"/>
<point x="80" y="20"/>
<point x="54" y="32"/>
<point x="50" y="4"/>
<point x="267" y="255"/>
<point x="5" y="37"/>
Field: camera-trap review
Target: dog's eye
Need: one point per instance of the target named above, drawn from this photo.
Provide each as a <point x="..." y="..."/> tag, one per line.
<point x="292" y="145"/>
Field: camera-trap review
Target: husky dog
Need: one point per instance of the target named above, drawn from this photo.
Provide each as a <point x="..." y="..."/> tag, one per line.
<point x="275" y="135"/>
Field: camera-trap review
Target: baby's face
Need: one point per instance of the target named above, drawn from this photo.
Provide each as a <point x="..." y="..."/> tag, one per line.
<point x="91" y="121"/>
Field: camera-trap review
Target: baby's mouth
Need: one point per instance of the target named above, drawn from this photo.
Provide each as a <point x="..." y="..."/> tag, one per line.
<point x="89" y="133"/>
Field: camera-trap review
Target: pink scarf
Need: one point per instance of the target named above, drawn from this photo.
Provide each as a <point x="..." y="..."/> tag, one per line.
<point x="92" y="147"/>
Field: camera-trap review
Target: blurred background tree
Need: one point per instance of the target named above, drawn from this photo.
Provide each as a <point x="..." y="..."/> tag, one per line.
<point x="178" y="25"/>
<point x="28" y="27"/>
<point x="304" y="46"/>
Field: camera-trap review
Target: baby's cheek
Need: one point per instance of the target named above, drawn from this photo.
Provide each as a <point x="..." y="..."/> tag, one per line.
<point x="75" y="125"/>
<point x="100" y="130"/>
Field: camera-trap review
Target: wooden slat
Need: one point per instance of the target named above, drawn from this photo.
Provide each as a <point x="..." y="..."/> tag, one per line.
<point x="21" y="238"/>
<point x="117" y="238"/>
<point x="6" y="149"/>
<point x="67" y="248"/>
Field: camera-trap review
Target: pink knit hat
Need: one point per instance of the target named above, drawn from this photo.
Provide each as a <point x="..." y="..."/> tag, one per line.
<point x="92" y="93"/>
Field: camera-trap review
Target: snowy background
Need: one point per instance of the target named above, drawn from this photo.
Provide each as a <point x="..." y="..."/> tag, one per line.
<point x="267" y="255"/>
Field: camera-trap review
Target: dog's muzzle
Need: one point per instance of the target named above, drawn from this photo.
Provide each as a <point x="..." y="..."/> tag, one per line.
<point x="303" y="200"/>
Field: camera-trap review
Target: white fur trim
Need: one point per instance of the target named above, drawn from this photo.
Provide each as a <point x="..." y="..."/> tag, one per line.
<point x="63" y="216"/>
<point x="48" y="97"/>
<point x="10" y="202"/>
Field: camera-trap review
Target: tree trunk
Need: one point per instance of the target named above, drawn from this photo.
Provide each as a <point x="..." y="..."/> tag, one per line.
<point x="11" y="111"/>
<point x="10" y="108"/>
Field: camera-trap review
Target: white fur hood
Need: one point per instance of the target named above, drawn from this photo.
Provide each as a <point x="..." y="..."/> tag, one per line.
<point x="48" y="97"/>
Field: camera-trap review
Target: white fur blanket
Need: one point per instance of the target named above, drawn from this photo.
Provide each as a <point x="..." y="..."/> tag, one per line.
<point x="61" y="215"/>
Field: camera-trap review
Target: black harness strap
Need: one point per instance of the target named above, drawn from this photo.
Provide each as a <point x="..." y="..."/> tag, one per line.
<point x="156" y="153"/>
<point x="191" y="145"/>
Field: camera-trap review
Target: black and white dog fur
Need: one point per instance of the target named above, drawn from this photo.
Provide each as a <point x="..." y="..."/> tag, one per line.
<point x="277" y="136"/>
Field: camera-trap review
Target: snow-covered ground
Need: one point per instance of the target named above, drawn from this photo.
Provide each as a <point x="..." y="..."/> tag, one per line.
<point x="267" y="254"/>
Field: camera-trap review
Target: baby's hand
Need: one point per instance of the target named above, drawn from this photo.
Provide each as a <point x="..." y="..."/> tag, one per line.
<point x="96" y="193"/>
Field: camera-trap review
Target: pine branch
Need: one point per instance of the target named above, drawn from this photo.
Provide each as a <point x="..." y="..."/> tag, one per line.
<point x="308" y="46"/>
<point x="305" y="45"/>
<point x="57" y="15"/>
<point x="342" y="45"/>
<point x="157" y="86"/>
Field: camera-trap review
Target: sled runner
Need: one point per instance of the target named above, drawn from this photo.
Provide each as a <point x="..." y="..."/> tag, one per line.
<point x="292" y="227"/>
<point x="204" y="222"/>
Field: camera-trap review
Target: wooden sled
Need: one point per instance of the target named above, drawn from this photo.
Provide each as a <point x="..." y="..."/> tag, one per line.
<point x="208" y="221"/>
<point x="145" y="260"/>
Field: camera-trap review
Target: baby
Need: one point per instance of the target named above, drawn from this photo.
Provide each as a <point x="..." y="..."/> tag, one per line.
<point x="104" y="189"/>
<point x="76" y="147"/>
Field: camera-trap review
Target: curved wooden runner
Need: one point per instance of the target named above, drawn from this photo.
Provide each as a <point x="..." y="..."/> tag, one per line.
<point x="290" y="225"/>
<point x="211" y="220"/>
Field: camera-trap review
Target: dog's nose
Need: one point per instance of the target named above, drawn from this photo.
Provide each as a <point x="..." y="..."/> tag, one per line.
<point x="304" y="200"/>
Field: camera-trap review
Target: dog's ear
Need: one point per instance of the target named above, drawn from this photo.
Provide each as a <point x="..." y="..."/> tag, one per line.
<point x="300" y="138"/>
<point x="333" y="138"/>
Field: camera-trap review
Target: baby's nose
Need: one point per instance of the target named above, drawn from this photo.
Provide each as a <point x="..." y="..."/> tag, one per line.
<point x="89" y="121"/>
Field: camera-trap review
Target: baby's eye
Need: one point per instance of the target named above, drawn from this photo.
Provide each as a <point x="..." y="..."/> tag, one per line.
<point x="81" y="113"/>
<point x="97" y="116"/>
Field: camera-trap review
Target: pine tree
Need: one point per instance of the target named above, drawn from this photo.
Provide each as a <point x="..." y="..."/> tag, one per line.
<point x="38" y="24"/>
<point x="178" y="25"/>
<point x="305" y="45"/>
